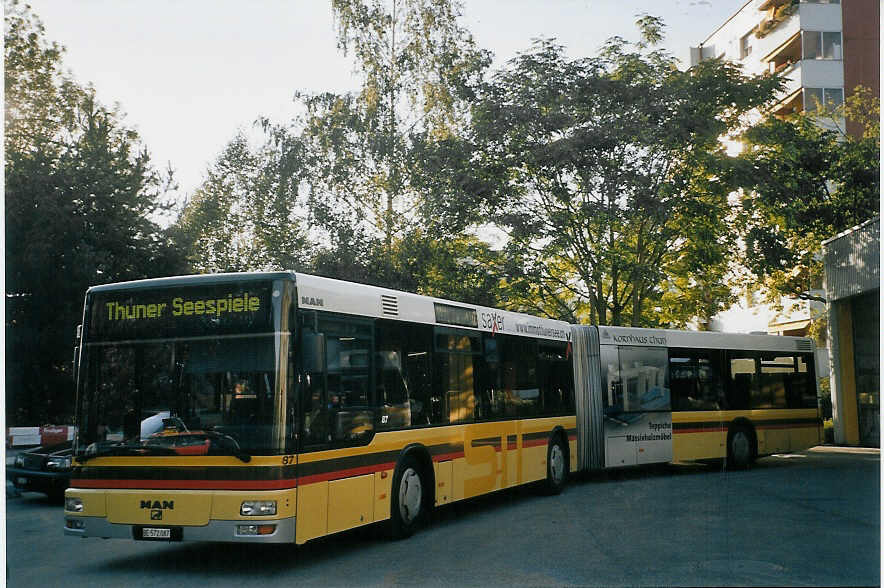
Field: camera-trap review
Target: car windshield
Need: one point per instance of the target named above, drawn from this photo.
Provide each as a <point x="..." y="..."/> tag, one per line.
<point x="154" y="397"/>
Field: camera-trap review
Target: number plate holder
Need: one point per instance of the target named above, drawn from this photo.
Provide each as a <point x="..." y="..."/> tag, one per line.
<point x="157" y="533"/>
<point x="151" y="533"/>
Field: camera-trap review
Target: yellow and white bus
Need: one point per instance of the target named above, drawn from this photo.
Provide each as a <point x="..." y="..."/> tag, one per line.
<point x="282" y="407"/>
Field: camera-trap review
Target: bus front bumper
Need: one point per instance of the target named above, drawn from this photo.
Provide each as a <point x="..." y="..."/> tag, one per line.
<point x="238" y="531"/>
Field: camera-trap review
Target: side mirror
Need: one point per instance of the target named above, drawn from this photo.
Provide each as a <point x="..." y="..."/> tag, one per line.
<point x="313" y="352"/>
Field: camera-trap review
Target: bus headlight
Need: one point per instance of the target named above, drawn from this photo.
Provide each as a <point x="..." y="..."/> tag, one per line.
<point x="258" y="508"/>
<point x="73" y="504"/>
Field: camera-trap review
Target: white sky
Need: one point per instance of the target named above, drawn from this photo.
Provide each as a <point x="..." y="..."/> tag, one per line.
<point x="189" y="73"/>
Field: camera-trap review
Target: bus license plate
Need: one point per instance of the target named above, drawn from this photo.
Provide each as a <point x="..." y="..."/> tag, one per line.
<point x="148" y="533"/>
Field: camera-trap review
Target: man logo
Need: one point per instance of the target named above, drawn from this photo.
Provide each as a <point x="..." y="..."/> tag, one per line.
<point x="156" y="515"/>
<point x="157" y="505"/>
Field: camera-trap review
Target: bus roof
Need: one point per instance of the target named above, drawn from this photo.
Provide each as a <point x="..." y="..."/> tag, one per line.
<point x="192" y="280"/>
<point x="331" y="295"/>
<point x="701" y="339"/>
<point x="317" y="293"/>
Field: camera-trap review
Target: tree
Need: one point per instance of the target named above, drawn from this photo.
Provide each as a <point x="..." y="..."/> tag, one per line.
<point x="611" y="179"/>
<point x="417" y="65"/>
<point x="805" y="182"/>
<point x="245" y="215"/>
<point x="80" y="195"/>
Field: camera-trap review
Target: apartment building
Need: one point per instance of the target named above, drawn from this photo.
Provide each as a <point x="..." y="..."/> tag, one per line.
<point x="823" y="48"/>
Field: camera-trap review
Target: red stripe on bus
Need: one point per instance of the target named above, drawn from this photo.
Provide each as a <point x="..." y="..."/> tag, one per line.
<point x="268" y="484"/>
<point x="187" y="484"/>
<point x="448" y="456"/>
<point x="534" y="443"/>
<point x="348" y="473"/>
<point x="701" y="430"/>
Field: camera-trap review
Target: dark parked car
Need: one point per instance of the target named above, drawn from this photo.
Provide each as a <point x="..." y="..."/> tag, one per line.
<point x="43" y="469"/>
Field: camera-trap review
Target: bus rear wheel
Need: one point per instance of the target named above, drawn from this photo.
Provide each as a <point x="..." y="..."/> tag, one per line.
<point x="408" y="508"/>
<point x="556" y="466"/>
<point x="740" y="448"/>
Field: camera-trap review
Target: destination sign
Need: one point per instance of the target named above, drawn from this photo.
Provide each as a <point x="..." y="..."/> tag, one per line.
<point x="240" y="307"/>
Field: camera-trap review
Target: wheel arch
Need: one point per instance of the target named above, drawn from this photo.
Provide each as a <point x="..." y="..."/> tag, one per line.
<point x="742" y="423"/>
<point x="559" y="433"/>
<point x="420" y="453"/>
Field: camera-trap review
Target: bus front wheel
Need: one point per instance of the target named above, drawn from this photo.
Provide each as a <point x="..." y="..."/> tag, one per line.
<point x="408" y="501"/>
<point x="556" y="465"/>
<point x="740" y="448"/>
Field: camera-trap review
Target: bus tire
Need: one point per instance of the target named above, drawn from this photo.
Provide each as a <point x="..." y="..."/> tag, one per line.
<point x="556" y="465"/>
<point x="741" y="448"/>
<point x="408" y="500"/>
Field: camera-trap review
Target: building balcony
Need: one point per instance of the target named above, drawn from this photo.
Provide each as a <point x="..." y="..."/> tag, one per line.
<point x="795" y="316"/>
<point x="779" y="12"/>
<point x="792" y="96"/>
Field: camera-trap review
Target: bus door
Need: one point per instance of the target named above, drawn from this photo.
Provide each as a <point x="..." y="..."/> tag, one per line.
<point x="336" y="397"/>
<point x="638" y="414"/>
<point x="336" y="406"/>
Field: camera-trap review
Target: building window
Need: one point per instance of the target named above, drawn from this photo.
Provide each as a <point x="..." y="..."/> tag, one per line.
<point x="828" y="98"/>
<point x="746" y="45"/>
<point x="821" y="45"/>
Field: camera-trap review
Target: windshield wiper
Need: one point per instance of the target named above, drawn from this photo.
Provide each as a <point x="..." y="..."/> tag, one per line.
<point x="124" y="450"/>
<point x="229" y="445"/>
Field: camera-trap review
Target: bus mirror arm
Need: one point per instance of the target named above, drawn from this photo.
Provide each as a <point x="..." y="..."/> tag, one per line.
<point x="314" y="352"/>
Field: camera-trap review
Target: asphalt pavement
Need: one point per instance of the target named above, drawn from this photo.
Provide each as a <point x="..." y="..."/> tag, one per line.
<point x="810" y="518"/>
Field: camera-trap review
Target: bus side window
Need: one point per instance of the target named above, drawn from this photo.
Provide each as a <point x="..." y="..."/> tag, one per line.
<point x="391" y="389"/>
<point x="776" y="379"/>
<point x="493" y="396"/>
<point x="804" y="388"/>
<point x="695" y="379"/>
<point x="336" y="400"/>
<point x="457" y="357"/>
<point x="519" y="377"/>
<point x="710" y="377"/>
<point x="743" y="381"/>
<point x="313" y="398"/>
<point x="555" y="377"/>
<point x="682" y="379"/>
<point x="418" y="376"/>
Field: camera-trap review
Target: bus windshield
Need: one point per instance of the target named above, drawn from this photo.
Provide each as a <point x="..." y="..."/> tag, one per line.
<point x="191" y="397"/>
<point x="181" y="370"/>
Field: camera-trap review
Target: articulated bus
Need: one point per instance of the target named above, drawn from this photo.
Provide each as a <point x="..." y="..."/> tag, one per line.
<point x="282" y="407"/>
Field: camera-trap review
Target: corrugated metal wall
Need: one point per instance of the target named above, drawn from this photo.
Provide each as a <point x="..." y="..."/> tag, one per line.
<point x="851" y="261"/>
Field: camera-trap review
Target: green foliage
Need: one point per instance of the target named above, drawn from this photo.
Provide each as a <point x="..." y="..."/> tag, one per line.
<point x="80" y="193"/>
<point x="805" y="183"/>
<point x="462" y="268"/>
<point x="459" y="268"/>
<point x="609" y="176"/>
<point x="245" y="215"/>
<point x="417" y="65"/>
